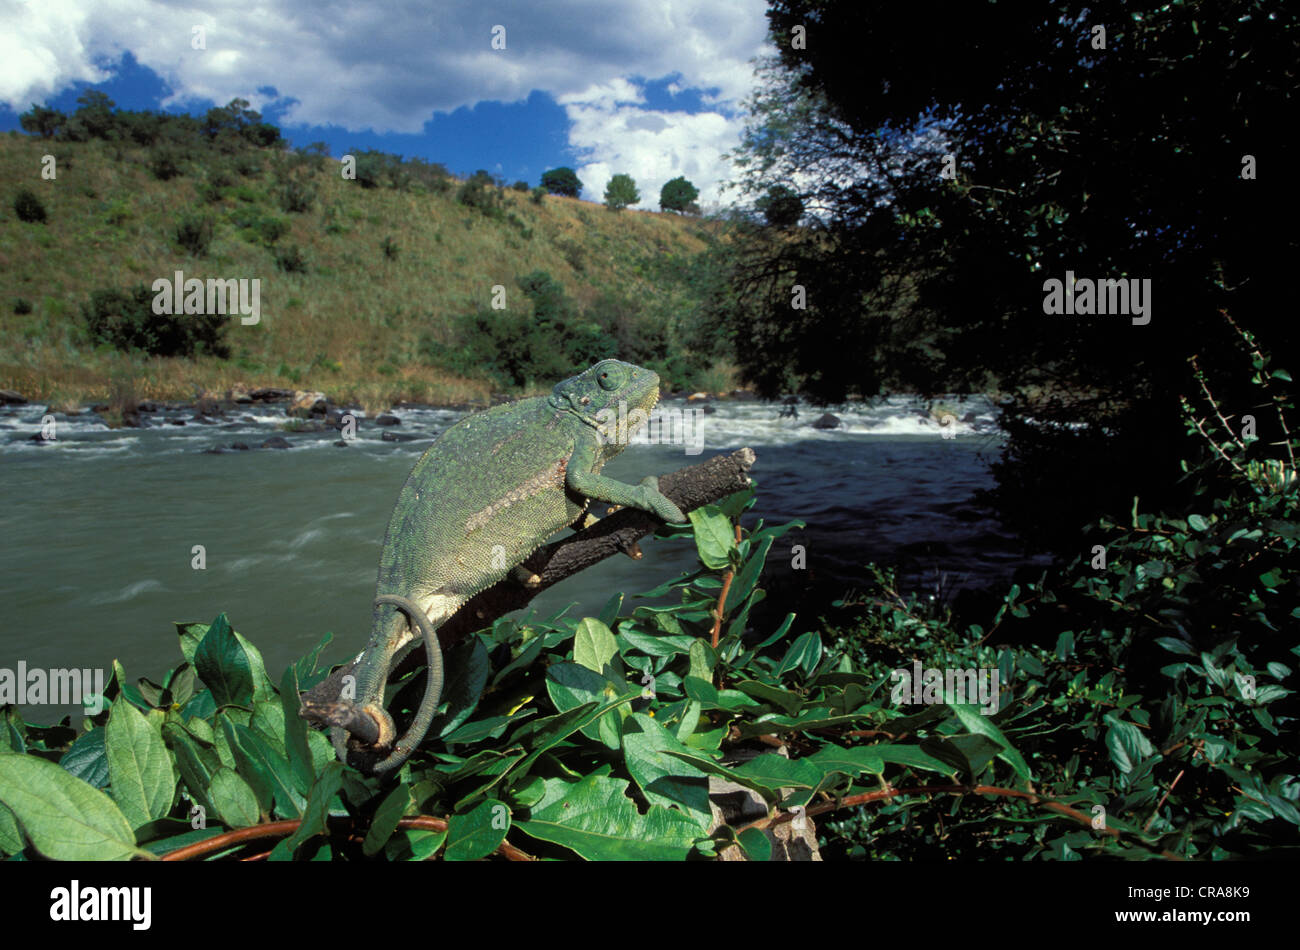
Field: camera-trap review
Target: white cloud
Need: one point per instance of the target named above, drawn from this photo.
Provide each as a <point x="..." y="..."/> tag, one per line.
<point x="389" y="66"/>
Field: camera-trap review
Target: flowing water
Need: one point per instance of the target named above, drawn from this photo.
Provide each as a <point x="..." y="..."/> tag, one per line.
<point x="100" y="527"/>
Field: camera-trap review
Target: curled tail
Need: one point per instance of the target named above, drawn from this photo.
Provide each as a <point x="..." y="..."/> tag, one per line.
<point x="372" y="674"/>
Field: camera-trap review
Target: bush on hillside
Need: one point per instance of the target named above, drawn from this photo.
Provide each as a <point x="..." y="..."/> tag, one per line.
<point x="194" y="233"/>
<point x="29" y="207"/>
<point x="125" y="320"/>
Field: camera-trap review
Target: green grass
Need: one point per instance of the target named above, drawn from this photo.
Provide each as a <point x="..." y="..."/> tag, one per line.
<point x="351" y="325"/>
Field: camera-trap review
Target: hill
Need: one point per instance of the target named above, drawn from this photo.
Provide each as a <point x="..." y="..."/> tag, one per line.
<point x="375" y="290"/>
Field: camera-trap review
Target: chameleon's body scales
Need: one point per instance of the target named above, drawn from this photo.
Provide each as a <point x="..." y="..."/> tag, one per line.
<point x="489" y="492"/>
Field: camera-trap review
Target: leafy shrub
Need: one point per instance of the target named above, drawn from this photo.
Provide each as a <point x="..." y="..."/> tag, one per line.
<point x="538" y="194"/>
<point x="194" y="234"/>
<point x="520" y="185"/>
<point x="125" y="320"/>
<point x="29" y="207"/>
<point x="165" y="164"/>
<point x="297" y="197"/>
<point x="22" y="305"/>
<point x="290" y="259"/>
<point x="389" y="247"/>
<point x="117" y="212"/>
<point x="480" y="193"/>
<point x="249" y="166"/>
<point x="258" y="228"/>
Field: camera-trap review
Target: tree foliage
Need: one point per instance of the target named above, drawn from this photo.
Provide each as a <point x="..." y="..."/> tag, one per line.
<point x="942" y="191"/>
<point x="562" y="181"/>
<point x="679" y="195"/>
<point x="621" y="192"/>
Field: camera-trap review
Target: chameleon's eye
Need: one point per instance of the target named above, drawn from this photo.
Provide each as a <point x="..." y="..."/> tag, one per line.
<point x="610" y="378"/>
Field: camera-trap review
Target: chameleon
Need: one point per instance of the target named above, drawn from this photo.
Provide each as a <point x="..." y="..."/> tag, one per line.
<point x="487" y="494"/>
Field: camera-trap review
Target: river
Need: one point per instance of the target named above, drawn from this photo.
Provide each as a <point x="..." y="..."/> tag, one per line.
<point x="100" y="527"/>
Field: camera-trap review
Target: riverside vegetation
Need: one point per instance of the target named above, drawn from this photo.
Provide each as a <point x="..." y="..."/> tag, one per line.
<point x="1145" y="714"/>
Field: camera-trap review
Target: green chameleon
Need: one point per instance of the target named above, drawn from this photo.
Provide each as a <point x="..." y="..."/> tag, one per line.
<point x="483" y="498"/>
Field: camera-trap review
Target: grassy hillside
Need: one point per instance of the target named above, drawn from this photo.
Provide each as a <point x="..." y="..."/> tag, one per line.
<point x="360" y="323"/>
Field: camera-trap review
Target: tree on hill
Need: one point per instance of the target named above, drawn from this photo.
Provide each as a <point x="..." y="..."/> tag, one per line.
<point x="679" y="195"/>
<point x="562" y="181"/>
<point x="621" y="192"/>
<point x="42" y="121"/>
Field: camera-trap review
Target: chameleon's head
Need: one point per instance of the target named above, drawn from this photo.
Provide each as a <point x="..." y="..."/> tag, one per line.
<point x="609" y="391"/>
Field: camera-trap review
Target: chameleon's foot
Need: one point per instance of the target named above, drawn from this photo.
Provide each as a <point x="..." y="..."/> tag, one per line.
<point x="655" y="500"/>
<point x="526" y="577"/>
<point x="632" y="550"/>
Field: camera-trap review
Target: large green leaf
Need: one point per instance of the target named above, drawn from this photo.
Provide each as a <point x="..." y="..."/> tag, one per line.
<point x="595" y="819"/>
<point x="478" y="832"/>
<point x="715" y="538"/>
<point x="224" y="666"/>
<point x="296" y="744"/>
<point x="86" y="758"/>
<point x="139" y="768"/>
<point x="747" y="577"/>
<point x="979" y="724"/>
<point x="593" y="645"/>
<point x="665" y="779"/>
<point x="389" y="813"/>
<point x="64" y="818"/>
<point x="234" y="800"/>
<point x="315" y="814"/>
<point x="469" y="667"/>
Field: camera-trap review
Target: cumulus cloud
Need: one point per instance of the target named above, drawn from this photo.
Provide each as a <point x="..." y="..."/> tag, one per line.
<point x="389" y="66"/>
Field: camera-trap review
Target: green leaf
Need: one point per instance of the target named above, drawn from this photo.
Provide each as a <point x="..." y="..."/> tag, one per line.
<point x="315" y="815"/>
<point x="389" y="813"/>
<point x="979" y="724"/>
<point x="593" y="645"/>
<point x="470" y="667"/>
<point x="223" y="665"/>
<point x="191" y="635"/>
<point x="139" y="768"/>
<point x="65" y="818"/>
<point x="233" y="799"/>
<point x="756" y="844"/>
<point x="11" y="836"/>
<point x="747" y="577"/>
<point x="596" y="820"/>
<point x="1127" y="745"/>
<point x="912" y="757"/>
<point x="785" y="699"/>
<point x="296" y="745"/>
<point x="86" y="758"/>
<point x="715" y="538"/>
<point x="665" y="779"/>
<point x="805" y="653"/>
<point x="851" y="762"/>
<point x="477" y="833"/>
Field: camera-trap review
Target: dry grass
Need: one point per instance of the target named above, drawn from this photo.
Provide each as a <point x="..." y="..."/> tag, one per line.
<point x="351" y="327"/>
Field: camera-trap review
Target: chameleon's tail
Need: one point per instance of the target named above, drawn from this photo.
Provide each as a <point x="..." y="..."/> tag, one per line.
<point x="372" y="674"/>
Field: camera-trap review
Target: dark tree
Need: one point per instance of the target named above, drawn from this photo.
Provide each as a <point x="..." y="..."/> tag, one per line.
<point x="679" y="195"/>
<point x="947" y="187"/>
<point x="42" y="121"/>
<point x="562" y="181"/>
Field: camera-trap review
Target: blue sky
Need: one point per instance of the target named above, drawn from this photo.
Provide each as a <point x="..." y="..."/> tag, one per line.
<point x="652" y="88"/>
